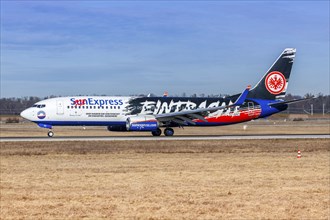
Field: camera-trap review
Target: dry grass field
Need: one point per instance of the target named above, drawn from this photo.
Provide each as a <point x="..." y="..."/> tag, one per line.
<point x="249" y="179"/>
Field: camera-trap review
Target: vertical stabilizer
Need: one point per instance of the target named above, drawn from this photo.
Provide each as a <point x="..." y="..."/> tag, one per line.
<point x="274" y="83"/>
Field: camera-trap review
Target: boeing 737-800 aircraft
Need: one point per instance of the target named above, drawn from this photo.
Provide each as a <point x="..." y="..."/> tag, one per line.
<point x="153" y="113"/>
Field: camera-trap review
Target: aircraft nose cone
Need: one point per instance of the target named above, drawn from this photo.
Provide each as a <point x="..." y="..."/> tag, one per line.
<point x="25" y="114"/>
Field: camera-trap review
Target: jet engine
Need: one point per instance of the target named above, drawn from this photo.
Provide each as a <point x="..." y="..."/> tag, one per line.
<point x="142" y="123"/>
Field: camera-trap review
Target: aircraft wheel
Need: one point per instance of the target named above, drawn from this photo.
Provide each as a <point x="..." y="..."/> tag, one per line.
<point x="169" y="132"/>
<point x="50" y="134"/>
<point x="157" y="132"/>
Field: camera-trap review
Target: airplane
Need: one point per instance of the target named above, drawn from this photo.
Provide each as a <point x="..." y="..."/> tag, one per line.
<point x="124" y="114"/>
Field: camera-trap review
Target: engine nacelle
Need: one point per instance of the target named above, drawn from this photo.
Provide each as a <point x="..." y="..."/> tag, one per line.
<point x="44" y="125"/>
<point x="116" y="128"/>
<point x="142" y="123"/>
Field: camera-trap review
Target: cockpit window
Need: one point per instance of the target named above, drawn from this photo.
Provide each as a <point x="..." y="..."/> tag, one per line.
<point x="39" y="106"/>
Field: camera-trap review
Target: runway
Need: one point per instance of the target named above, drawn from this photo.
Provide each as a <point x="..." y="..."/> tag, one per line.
<point x="163" y="138"/>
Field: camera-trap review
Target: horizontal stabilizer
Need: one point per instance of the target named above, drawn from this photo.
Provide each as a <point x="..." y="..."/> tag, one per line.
<point x="289" y="102"/>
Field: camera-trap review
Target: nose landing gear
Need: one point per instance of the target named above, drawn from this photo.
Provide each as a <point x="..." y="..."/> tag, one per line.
<point x="50" y="134"/>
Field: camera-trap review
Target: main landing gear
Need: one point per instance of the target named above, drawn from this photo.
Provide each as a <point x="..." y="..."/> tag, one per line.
<point x="157" y="132"/>
<point x="50" y="134"/>
<point x="167" y="132"/>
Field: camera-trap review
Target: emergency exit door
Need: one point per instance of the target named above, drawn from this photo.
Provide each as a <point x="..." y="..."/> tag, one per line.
<point x="250" y="108"/>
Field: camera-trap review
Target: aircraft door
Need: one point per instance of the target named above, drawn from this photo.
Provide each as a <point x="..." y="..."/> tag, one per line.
<point x="59" y="107"/>
<point x="250" y="108"/>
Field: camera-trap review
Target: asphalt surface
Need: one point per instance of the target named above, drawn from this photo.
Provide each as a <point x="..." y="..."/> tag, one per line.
<point x="163" y="138"/>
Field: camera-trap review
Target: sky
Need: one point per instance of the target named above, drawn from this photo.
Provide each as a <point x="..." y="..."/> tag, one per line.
<point x="67" y="48"/>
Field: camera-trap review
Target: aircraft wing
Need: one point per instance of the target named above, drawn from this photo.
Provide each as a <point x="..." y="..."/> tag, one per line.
<point x="184" y="117"/>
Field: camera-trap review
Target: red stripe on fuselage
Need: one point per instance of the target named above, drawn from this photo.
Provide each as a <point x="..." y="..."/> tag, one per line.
<point x="245" y="115"/>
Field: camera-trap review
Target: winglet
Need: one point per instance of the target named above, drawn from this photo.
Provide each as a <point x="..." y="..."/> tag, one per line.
<point x="240" y="100"/>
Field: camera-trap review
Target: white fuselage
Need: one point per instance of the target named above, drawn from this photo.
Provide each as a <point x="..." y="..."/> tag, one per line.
<point x="82" y="110"/>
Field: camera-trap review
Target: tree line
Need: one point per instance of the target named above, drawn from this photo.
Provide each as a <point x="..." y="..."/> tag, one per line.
<point x="319" y="104"/>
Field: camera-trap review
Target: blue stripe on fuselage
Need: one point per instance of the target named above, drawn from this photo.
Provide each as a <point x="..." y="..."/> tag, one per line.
<point x="267" y="110"/>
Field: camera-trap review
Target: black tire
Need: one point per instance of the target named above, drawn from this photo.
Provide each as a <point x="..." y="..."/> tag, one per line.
<point x="157" y="132"/>
<point x="50" y="134"/>
<point x="169" y="132"/>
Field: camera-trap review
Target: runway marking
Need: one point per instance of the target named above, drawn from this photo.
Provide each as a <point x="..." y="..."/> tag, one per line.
<point x="176" y="138"/>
